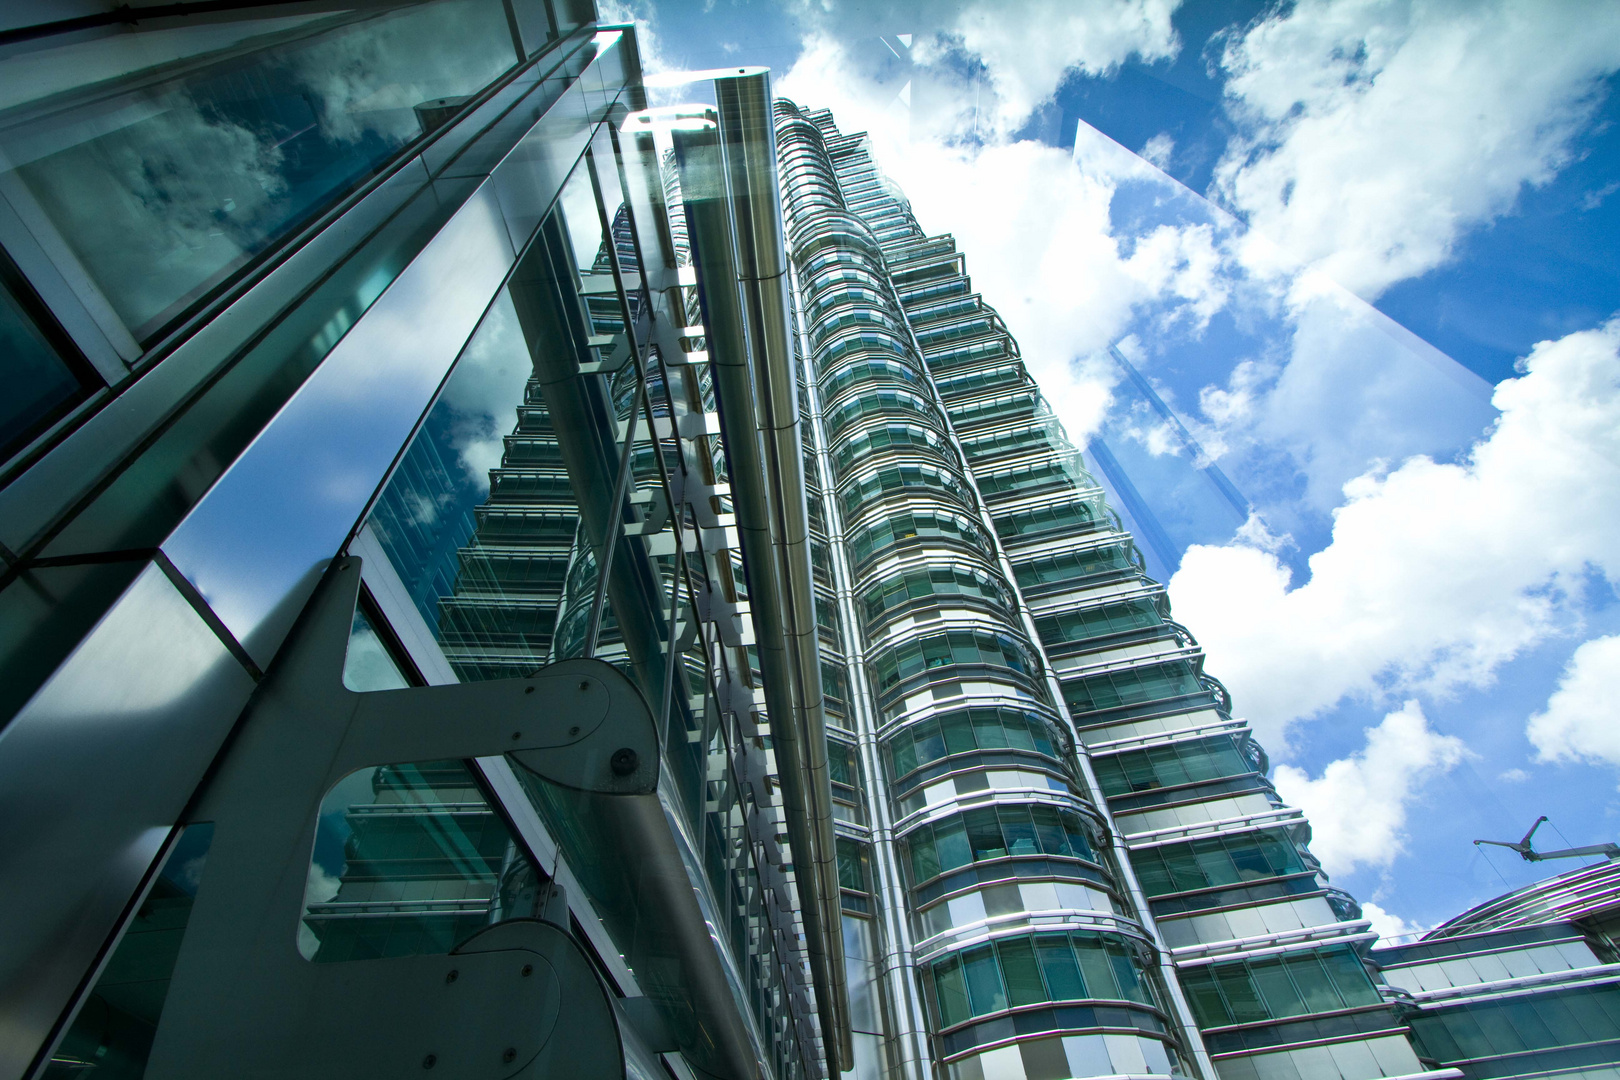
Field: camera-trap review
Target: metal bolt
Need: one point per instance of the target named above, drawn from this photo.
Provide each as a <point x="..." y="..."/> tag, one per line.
<point x="528" y="689"/>
<point x="624" y="761"/>
<point x="516" y="735"/>
<point x="584" y="686"/>
<point x="510" y="1055"/>
<point x="528" y="969"/>
<point x="430" y="1061"/>
<point x="453" y="976"/>
<point x="573" y="731"/>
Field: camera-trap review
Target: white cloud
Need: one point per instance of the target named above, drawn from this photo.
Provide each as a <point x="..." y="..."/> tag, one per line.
<point x="1436" y="573"/>
<point x="1158" y="150"/>
<point x="981" y="70"/>
<point x="1374" y="133"/>
<point x="1581" y="721"/>
<point x="1038" y="233"/>
<point x="1387" y="924"/>
<point x="1358" y="806"/>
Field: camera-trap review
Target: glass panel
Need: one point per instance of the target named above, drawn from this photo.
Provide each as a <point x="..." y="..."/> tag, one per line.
<point x="1315" y="986"/>
<point x="1240" y="994"/>
<point x="1278" y="991"/>
<point x="951" y="990"/>
<point x="112" y="1035"/>
<point x="1094" y="967"/>
<point x="1023" y="977"/>
<point x="40" y="385"/>
<point x="985" y="991"/>
<point x="369" y="664"/>
<point x="163" y="189"/>
<point x="410" y="859"/>
<point x="1058" y="966"/>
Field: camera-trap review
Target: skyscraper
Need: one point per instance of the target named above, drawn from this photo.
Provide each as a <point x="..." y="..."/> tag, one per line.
<point x="503" y="580"/>
<point x="1059" y="807"/>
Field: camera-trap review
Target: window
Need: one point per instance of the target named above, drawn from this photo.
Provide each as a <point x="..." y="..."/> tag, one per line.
<point x="1106" y="620"/>
<point x="995" y="832"/>
<point x="899" y="589"/>
<point x="1274" y="988"/>
<point x="911" y="658"/>
<point x="203" y="171"/>
<point x="1032" y="970"/>
<point x="963" y="732"/>
<point x="44" y="375"/>
<point x="1188" y="762"/>
<point x="1136" y="686"/>
<point x="1215" y="861"/>
<point x="1514" y="1025"/>
<point x="410" y="859"/>
<point x="1077" y="565"/>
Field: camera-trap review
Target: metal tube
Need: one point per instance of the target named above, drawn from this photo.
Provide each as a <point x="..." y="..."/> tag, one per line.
<point x="734" y="219"/>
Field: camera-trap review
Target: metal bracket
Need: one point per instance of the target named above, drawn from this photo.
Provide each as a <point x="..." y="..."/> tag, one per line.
<point x="519" y="998"/>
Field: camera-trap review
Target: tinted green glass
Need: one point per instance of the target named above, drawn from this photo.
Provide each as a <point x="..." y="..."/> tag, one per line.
<point x="1058" y="967"/>
<point x="1018" y="967"/>
<point x="985" y="991"/>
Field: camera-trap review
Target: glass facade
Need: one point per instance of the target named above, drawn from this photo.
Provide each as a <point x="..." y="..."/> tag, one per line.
<point x="1073" y="841"/>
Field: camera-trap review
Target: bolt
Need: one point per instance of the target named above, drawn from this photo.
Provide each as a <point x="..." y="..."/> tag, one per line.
<point x="510" y="1055"/>
<point x="528" y="969"/>
<point x="453" y="976"/>
<point x="528" y="689"/>
<point x="624" y="761"/>
<point x="516" y="735"/>
<point x="430" y="1061"/>
<point x="573" y="731"/>
<point x="584" y="686"/>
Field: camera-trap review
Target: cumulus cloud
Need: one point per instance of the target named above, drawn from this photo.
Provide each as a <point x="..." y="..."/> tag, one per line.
<point x="1387" y="924"/>
<point x="1042" y="247"/>
<point x="979" y="71"/>
<point x="1580" y="721"/>
<point x="1373" y="133"/>
<point x="1358" y="806"/>
<point x="1436" y="573"/>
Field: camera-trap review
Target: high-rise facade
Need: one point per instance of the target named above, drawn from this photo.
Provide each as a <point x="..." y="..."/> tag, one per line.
<point x="501" y="580"/>
<point x="1074" y="863"/>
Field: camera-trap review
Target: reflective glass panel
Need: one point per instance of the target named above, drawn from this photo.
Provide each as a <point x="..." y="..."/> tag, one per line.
<point x="410" y="859"/>
<point x="40" y="384"/>
<point x="112" y="1035"/>
<point x="181" y="172"/>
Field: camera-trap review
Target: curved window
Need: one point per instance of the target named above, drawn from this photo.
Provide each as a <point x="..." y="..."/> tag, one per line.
<point x="899" y="589"/>
<point x="927" y="293"/>
<point x="973" y="382"/>
<point x="1031" y="970"/>
<point x="909" y="437"/>
<point x="851" y="317"/>
<point x="997" y="443"/>
<point x="858" y="292"/>
<point x="962" y="732"/>
<point x="1191" y="762"/>
<point x="1249" y="991"/>
<point x="1215" y="861"/>
<point x="835" y="274"/>
<point x="869" y="369"/>
<point x="915" y="524"/>
<point x="1137" y="686"/>
<point x="900" y="478"/>
<point x="910" y="658"/>
<point x="1075" y="566"/>
<point x="1104" y="621"/>
<point x="996" y="409"/>
<point x="1031" y="478"/>
<point x="994" y="832"/>
<point x="867" y="341"/>
<point x="880" y="401"/>
<point x="1079" y="516"/>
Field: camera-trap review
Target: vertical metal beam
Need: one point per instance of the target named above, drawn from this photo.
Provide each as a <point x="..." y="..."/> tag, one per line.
<point x="734" y="215"/>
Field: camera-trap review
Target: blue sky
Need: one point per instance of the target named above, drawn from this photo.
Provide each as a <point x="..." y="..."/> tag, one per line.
<point x="1281" y="269"/>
